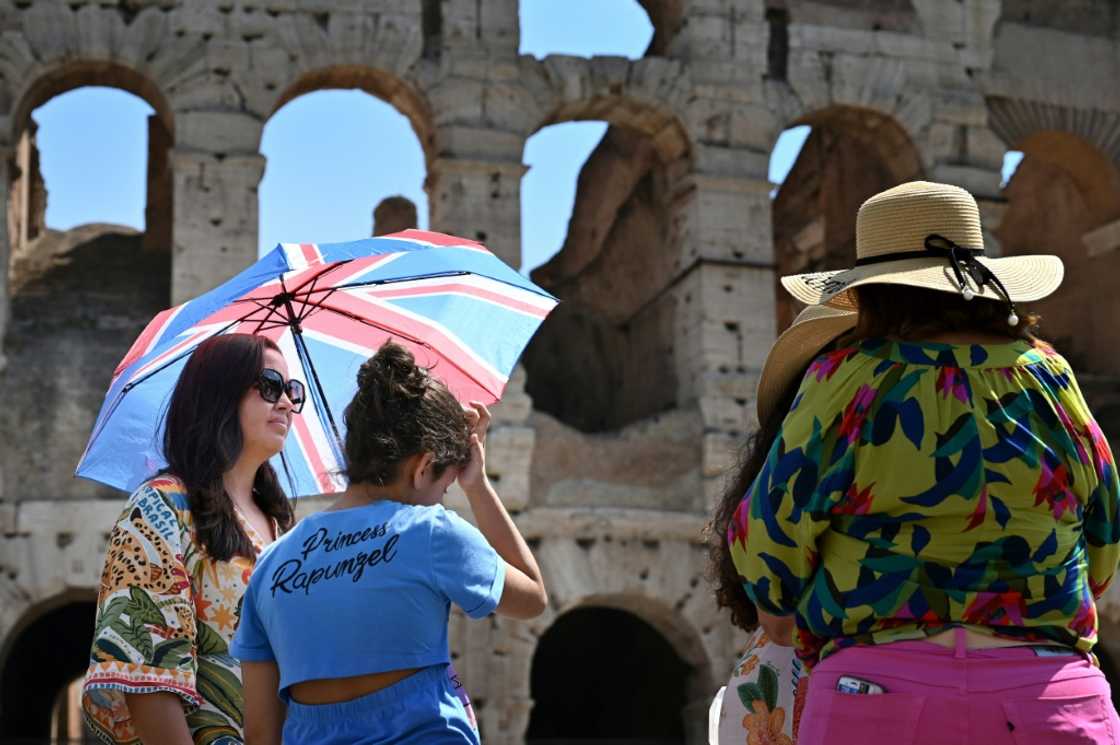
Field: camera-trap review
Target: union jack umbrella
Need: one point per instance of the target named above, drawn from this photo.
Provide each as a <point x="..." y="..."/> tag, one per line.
<point x="460" y="310"/>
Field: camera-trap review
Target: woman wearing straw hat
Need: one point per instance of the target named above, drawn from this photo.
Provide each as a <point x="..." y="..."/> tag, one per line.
<point x="765" y="695"/>
<point x="939" y="510"/>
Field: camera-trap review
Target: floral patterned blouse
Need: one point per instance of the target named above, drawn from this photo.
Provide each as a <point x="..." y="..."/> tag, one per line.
<point x="915" y="487"/>
<point x="166" y="613"/>
<point x="763" y="701"/>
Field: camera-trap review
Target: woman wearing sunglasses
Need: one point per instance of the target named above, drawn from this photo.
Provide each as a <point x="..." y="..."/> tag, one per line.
<point x="180" y="556"/>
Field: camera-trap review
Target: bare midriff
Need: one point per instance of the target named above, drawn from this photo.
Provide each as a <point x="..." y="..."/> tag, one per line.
<point x="337" y="690"/>
<point x="975" y="640"/>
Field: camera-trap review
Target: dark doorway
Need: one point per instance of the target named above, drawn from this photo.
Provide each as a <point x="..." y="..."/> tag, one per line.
<point x="46" y="657"/>
<point x="603" y="676"/>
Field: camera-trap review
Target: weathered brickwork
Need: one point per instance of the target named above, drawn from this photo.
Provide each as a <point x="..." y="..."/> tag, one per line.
<point x="615" y="436"/>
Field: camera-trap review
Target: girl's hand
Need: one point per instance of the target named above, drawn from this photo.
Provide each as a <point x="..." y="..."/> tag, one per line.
<point x="472" y="476"/>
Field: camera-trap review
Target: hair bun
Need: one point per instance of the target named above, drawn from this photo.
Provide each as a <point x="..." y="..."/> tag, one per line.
<point x="392" y="378"/>
<point x="400" y="410"/>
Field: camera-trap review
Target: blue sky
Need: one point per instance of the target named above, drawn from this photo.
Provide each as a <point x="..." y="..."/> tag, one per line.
<point x="333" y="155"/>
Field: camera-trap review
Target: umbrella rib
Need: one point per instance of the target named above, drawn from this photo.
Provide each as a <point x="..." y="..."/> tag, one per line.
<point x="269" y="304"/>
<point x="310" y="307"/>
<point x="435" y="275"/>
<point x="396" y="280"/>
<point x="133" y="383"/>
<point x="305" y="360"/>
<point x="272" y="310"/>
<point x="299" y="288"/>
<point x="303" y="299"/>
<point x="327" y="268"/>
<point x="374" y="324"/>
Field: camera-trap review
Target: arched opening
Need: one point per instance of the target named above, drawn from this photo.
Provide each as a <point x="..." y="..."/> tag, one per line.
<point x="79" y="130"/>
<point x="44" y="659"/>
<point x="603" y="358"/>
<point x="1064" y="199"/>
<point x="554" y="157"/>
<point x="584" y="28"/>
<point x="82" y="140"/>
<point x="604" y="675"/>
<point x="78" y="295"/>
<point x="320" y="188"/>
<point x="849" y="155"/>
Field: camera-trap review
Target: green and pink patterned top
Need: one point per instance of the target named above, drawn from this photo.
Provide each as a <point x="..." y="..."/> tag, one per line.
<point x="919" y="486"/>
<point x="166" y="613"/>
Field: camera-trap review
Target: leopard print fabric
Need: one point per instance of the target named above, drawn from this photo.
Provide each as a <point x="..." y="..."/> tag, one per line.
<point x="137" y="555"/>
<point x="165" y="617"/>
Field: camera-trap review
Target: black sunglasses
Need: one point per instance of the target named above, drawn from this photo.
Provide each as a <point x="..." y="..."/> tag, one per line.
<point x="271" y="384"/>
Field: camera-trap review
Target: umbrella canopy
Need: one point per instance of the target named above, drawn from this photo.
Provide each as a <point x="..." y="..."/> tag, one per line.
<point x="461" y="311"/>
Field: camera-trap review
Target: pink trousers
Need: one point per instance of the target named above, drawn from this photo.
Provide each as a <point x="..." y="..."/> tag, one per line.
<point x="939" y="696"/>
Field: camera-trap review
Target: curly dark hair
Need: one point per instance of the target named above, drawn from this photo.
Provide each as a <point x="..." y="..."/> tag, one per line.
<point x="721" y="570"/>
<point x="401" y="410"/>
<point x="202" y="440"/>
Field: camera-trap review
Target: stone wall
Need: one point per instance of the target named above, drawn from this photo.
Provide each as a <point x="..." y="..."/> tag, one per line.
<point x="643" y="382"/>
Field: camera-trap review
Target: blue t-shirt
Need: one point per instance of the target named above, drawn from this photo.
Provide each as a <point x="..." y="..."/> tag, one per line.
<point x="365" y="590"/>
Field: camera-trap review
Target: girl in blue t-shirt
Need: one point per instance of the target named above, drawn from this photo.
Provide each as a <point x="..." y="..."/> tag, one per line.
<point x="346" y="615"/>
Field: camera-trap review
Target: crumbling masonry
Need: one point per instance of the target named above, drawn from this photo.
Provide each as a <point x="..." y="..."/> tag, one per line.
<point x="615" y="435"/>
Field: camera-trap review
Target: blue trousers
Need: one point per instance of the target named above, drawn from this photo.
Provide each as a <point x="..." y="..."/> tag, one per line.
<point x="424" y="709"/>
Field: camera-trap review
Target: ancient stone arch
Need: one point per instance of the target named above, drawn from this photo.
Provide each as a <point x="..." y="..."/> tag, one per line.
<point x="1021" y="123"/>
<point x="65" y="46"/>
<point x="1064" y="198"/>
<point x="649" y="565"/>
<point x="586" y="683"/>
<point x="693" y="123"/>
<point x="380" y="83"/>
<point x="25" y="211"/>
<point x="69" y="75"/>
<point x="41" y="266"/>
<point x="42" y="656"/>
<point x="1079" y="186"/>
<point x="636" y="94"/>
<point x="851" y="153"/>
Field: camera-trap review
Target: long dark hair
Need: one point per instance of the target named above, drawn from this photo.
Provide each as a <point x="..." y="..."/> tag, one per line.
<point x="203" y="440"/>
<point x="400" y="410"/>
<point x="721" y="570"/>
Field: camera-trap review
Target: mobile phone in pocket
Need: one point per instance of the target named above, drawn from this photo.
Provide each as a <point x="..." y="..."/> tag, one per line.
<point x="856" y="686"/>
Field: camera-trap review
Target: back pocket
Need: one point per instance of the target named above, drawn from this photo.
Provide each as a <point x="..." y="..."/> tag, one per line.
<point x="830" y="716"/>
<point x="1077" y="720"/>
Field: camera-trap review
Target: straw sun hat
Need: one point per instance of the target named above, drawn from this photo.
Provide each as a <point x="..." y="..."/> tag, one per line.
<point x="813" y="328"/>
<point x="928" y="235"/>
